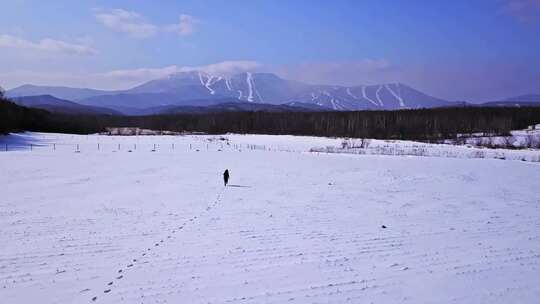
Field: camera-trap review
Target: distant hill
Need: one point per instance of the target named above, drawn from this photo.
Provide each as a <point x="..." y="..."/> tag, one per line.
<point x="239" y="107"/>
<point x="58" y="92"/>
<point x="53" y="104"/>
<point x="535" y="98"/>
<point x="529" y="100"/>
<point x="203" y="89"/>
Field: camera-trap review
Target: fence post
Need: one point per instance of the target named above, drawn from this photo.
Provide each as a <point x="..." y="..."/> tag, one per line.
<point x="134" y="146"/>
<point x="173" y="146"/>
<point x="98" y="146"/>
<point x="78" y="148"/>
<point x="30" y="147"/>
<point x="118" y="147"/>
<point x="6" y="147"/>
<point x="54" y="147"/>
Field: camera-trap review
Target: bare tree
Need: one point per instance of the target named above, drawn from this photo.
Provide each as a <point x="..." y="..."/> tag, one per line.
<point x="527" y="141"/>
<point x="505" y="141"/>
<point x="365" y="143"/>
<point x="535" y="141"/>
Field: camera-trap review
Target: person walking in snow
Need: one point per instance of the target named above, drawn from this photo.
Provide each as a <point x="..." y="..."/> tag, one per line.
<point x="226" y="177"/>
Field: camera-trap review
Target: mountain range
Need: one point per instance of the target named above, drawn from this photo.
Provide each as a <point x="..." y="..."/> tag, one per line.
<point x="53" y="104"/>
<point x="196" y="90"/>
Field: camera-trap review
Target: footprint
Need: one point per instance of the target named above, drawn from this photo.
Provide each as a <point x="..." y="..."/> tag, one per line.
<point x="118" y="278"/>
<point x="110" y="283"/>
<point x="143" y="254"/>
<point x="130" y="265"/>
<point x="119" y="271"/>
<point x="106" y="291"/>
<point x="94" y="298"/>
<point x="134" y="260"/>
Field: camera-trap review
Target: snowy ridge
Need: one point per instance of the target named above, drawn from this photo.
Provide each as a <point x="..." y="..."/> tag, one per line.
<point x="181" y="88"/>
<point x="209" y="83"/>
<point x="401" y="103"/>
<point x="366" y="97"/>
<point x="350" y="93"/>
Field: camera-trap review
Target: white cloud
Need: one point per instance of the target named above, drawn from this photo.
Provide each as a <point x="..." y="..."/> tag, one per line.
<point x="47" y="45"/>
<point x="223" y="68"/>
<point x="118" y="79"/>
<point x="140" y="75"/>
<point x="185" y="25"/>
<point x="136" y="26"/>
<point x="126" y="22"/>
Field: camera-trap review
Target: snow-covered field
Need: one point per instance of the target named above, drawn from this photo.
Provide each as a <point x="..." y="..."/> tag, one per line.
<point x="413" y="148"/>
<point x="111" y="226"/>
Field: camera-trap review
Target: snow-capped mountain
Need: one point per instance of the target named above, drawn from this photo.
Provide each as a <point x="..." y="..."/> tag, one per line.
<point x="201" y="89"/>
<point x="269" y="88"/>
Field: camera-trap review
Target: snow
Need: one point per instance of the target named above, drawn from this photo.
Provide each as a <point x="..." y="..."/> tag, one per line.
<point x="336" y="105"/>
<point x="520" y="139"/>
<point x="412" y="148"/>
<point x="396" y="96"/>
<point x="348" y="90"/>
<point x="293" y="226"/>
<point x="366" y="97"/>
<point x="377" y="95"/>
<point x="208" y="82"/>
<point x="249" y="80"/>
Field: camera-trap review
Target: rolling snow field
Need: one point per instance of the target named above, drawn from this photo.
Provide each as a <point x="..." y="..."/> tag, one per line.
<point x="118" y="223"/>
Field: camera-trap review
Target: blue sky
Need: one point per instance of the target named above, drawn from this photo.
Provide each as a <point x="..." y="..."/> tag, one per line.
<point x="461" y="50"/>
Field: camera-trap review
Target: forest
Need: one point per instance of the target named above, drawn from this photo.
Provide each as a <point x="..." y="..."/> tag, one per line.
<point x="413" y="124"/>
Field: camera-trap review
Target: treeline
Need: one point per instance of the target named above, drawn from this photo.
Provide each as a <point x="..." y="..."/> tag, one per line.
<point x="15" y="118"/>
<point x="419" y="124"/>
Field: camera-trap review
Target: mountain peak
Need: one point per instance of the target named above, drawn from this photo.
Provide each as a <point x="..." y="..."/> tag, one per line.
<point x="195" y="87"/>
